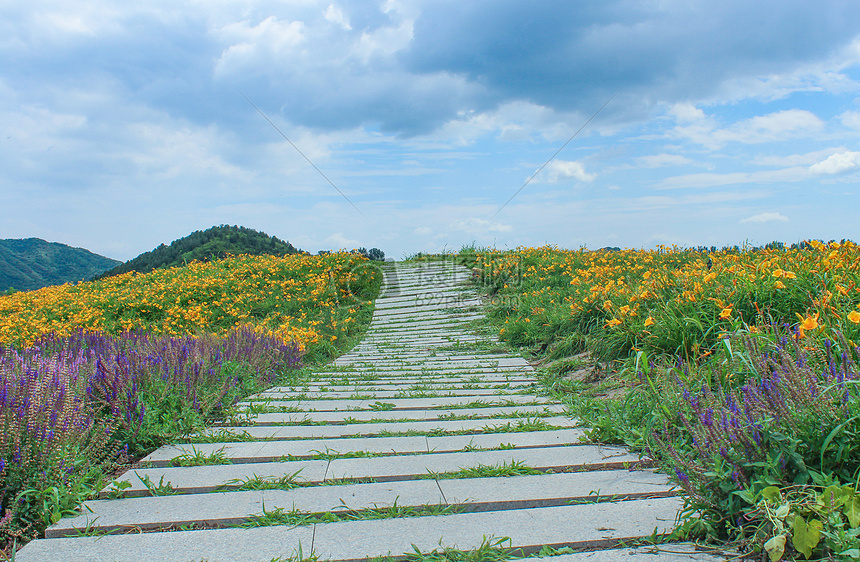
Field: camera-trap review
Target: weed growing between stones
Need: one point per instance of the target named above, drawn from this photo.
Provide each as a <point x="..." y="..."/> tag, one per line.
<point x="295" y="518"/>
<point x="199" y="458"/>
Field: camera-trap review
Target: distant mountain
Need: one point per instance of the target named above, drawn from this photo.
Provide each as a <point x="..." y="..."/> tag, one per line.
<point x="32" y="263"/>
<point x="204" y="245"/>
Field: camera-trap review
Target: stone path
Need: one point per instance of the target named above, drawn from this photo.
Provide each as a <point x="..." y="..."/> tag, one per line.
<point x="421" y="420"/>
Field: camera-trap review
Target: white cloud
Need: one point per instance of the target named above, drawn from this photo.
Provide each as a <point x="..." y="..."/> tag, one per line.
<point x="851" y="119"/>
<point x="423" y="231"/>
<point x="661" y="160"/>
<point x="475" y="225"/>
<point x="266" y="43"/>
<point x="794" y="174"/>
<point x="336" y="16"/>
<point x="806" y="159"/>
<point x="777" y="126"/>
<point x="837" y="163"/>
<point x="559" y="170"/>
<point x="339" y="241"/>
<point x="765" y="217"/>
<point x="686" y="113"/>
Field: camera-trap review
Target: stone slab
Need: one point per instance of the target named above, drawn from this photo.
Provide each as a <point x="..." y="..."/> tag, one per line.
<point x="671" y="552"/>
<point x="414" y="466"/>
<point x="385" y="394"/>
<point x="493" y="440"/>
<point x="200" y="479"/>
<point x="261" y="544"/>
<point x="552" y="489"/>
<point x="268" y="451"/>
<point x="224" y="509"/>
<point x="400" y="403"/>
<point x="370" y="380"/>
<point x="382" y="416"/>
<point x="371" y="429"/>
<point x="529" y="529"/>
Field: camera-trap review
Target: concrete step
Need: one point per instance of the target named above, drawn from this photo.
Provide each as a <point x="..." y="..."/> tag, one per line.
<point x="386" y="394"/>
<point x="382" y="429"/>
<point x="269" y="451"/>
<point x="597" y="525"/>
<point x="395" y="403"/>
<point x="382" y="416"/>
<point x="199" y="479"/>
<point x="470" y="495"/>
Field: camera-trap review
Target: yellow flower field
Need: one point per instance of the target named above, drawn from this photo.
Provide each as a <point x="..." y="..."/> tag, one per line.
<point x="671" y="300"/>
<point x="312" y="300"/>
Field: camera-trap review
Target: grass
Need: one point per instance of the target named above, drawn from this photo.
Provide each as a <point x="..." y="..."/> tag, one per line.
<point x="295" y="518"/>
<point x="255" y="482"/>
<point x="198" y="458"/>
<point x="503" y="470"/>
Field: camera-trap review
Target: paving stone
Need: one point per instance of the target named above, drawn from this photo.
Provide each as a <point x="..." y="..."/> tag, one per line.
<point x="494" y="440"/>
<point x="219" y="545"/>
<point x="399" y="384"/>
<point x="385" y="394"/>
<point x="268" y="451"/>
<point x="557" y="458"/>
<point x="406" y="415"/>
<point x="369" y="429"/>
<point x="398" y="403"/>
<point x="199" y="479"/>
<point x="600" y="524"/>
<point x="552" y="489"/>
<point x="223" y="509"/>
<point x="683" y="552"/>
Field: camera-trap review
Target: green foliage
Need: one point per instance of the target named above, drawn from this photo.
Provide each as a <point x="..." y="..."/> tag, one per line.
<point x="214" y="243"/>
<point x="199" y="458"/>
<point x="32" y="263"/>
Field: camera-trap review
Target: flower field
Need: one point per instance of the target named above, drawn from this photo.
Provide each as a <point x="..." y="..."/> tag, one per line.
<point x="669" y="301"/>
<point x="738" y="371"/>
<point x="308" y="300"/>
<point x="97" y="374"/>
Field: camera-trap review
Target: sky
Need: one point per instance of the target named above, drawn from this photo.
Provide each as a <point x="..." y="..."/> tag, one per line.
<point x="416" y="125"/>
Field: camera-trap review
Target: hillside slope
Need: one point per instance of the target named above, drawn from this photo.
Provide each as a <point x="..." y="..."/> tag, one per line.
<point x="32" y="263"/>
<point x="205" y="245"/>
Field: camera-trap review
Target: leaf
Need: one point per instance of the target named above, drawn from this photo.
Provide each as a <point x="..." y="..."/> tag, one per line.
<point x="775" y="547"/>
<point x="834" y="496"/>
<point x="783" y="511"/>
<point x="806" y="535"/>
<point x="852" y="510"/>
<point x="771" y="494"/>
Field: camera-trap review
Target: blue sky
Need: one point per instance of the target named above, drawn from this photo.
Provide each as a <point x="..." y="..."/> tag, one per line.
<point x="124" y="124"/>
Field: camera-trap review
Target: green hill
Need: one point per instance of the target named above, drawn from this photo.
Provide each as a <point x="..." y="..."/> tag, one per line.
<point x="32" y="263"/>
<point x="204" y="245"/>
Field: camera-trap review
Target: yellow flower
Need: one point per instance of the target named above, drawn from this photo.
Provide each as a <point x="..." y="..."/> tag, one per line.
<point x="808" y="323"/>
<point x="779" y="285"/>
<point x="607" y="305"/>
<point x="726" y="313"/>
<point x="649" y="321"/>
<point x="614" y="322"/>
<point x="790" y="275"/>
<point x="778" y="273"/>
<point x="854" y="317"/>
